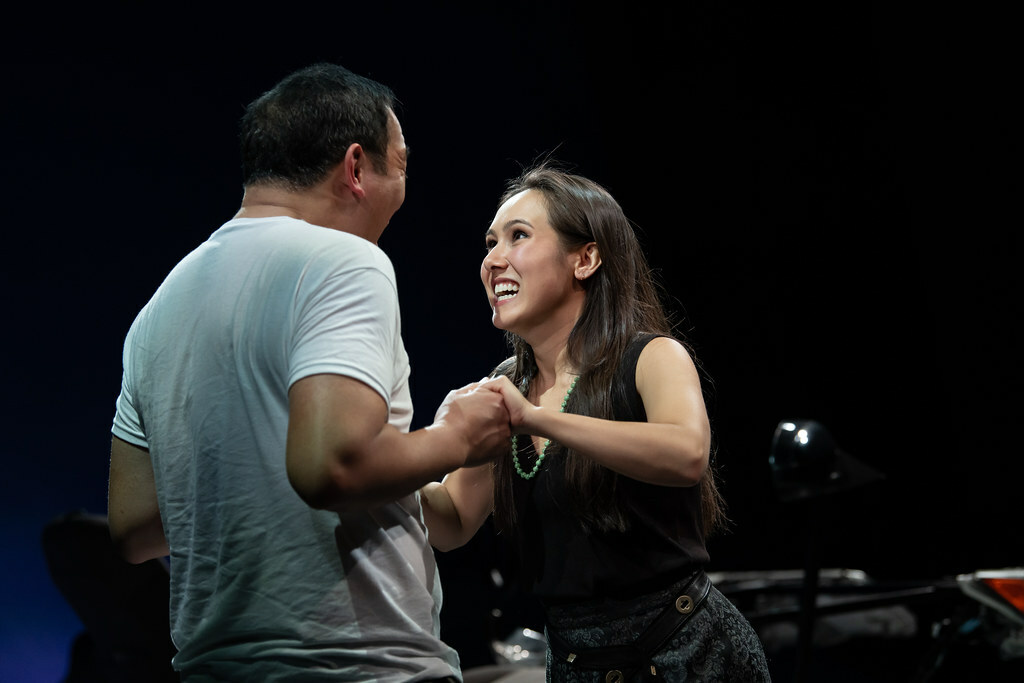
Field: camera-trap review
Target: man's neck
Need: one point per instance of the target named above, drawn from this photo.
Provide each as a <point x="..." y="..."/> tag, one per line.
<point x="315" y="206"/>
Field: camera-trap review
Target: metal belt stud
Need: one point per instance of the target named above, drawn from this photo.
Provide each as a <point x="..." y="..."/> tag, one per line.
<point x="684" y="604"/>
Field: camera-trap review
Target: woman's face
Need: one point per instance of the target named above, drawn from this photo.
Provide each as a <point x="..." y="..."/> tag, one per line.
<point x="527" y="274"/>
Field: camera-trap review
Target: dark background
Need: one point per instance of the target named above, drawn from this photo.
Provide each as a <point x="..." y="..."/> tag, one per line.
<point x="826" y="190"/>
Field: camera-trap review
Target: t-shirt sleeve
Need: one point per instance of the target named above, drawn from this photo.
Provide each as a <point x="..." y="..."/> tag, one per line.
<point x="348" y="326"/>
<point x="127" y="421"/>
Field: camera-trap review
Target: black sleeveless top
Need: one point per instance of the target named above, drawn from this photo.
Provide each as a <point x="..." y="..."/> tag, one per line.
<point x="563" y="563"/>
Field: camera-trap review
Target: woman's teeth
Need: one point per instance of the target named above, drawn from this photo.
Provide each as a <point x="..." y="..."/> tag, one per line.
<point x="505" y="290"/>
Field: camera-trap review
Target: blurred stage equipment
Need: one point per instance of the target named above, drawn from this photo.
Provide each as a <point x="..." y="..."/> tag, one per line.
<point x="123" y="607"/>
<point x="807" y="468"/>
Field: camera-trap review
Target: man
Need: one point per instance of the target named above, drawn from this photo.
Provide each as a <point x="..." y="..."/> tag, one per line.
<point x="261" y="434"/>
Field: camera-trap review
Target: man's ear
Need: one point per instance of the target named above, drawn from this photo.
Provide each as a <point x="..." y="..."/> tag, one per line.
<point x="588" y="260"/>
<point x="352" y="169"/>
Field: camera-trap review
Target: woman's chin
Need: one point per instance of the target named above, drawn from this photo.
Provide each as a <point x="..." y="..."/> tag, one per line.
<point x="500" y="324"/>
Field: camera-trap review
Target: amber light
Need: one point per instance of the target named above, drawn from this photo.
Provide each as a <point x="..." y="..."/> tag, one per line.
<point x="1011" y="590"/>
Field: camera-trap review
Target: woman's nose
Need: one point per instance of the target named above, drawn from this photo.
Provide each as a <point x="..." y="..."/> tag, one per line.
<point x="493" y="259"/>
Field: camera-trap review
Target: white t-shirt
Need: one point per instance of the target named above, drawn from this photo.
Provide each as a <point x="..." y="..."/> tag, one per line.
<point x="263" y="587"/>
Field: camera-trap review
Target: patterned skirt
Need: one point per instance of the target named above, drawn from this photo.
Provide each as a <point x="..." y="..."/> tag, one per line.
<point x="716" y="642"/>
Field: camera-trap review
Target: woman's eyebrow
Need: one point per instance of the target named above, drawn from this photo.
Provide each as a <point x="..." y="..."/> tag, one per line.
<point x="508" y="226"/>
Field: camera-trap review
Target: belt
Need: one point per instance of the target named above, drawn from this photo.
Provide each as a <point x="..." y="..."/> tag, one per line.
<point x="623" y="661"/>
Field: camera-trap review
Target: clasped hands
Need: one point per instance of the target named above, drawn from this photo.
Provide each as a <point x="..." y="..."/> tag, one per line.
<point x="487" y="413"/>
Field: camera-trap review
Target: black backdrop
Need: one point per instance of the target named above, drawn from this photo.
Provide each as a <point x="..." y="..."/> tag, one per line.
<point x="824" y="191"/>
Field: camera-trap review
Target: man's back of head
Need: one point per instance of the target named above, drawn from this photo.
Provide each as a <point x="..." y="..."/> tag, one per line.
<point x="293" y="134"/>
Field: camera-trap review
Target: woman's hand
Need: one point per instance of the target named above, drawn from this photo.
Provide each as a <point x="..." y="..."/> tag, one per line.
<point x="519" y="409"/>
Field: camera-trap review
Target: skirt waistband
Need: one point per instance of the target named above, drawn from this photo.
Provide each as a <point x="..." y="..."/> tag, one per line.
<point x="600" y="610"/>
<point x="617" y="659"/>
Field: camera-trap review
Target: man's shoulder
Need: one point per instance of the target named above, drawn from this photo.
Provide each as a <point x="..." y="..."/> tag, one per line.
<point x="301" y="235"/>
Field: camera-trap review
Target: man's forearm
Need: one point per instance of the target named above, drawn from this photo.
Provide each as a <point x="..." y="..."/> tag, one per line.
<point x="390" y="466"/>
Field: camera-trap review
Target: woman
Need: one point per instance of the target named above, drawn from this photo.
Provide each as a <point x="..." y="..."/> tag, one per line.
<point x="607" y="489"/>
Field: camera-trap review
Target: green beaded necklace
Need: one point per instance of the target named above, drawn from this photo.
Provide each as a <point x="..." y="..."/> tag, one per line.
<point x="547" y="442"/>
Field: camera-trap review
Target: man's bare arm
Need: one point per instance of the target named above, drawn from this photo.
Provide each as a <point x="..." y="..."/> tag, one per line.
<point x="343" y="455"/>
<point x="132" y="511"/>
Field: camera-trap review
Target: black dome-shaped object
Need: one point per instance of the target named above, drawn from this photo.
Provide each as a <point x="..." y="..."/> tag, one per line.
<point x="803" y="451"/>
<point x="806" y="463"/>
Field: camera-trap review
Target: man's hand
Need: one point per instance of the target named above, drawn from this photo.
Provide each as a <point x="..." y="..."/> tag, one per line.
<point x="477" y="413"/>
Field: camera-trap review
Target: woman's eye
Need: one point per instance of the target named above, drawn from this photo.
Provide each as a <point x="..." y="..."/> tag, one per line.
<point x="517" y="234"/>
<point x="489" y="244"/>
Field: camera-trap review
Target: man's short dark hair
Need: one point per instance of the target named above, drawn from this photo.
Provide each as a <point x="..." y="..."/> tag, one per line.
<point x="296" y="132"/>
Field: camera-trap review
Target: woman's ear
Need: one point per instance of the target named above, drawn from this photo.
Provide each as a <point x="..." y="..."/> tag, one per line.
<point x="588" y="260"/>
